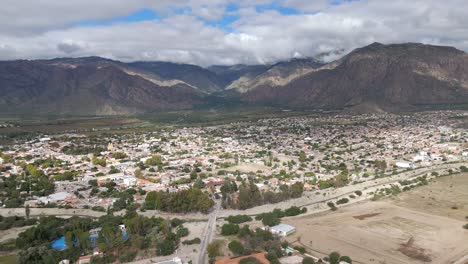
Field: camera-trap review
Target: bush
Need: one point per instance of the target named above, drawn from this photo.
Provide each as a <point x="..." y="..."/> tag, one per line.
<point x="238" y="219"/>
<point x="250" y="260"/>
<point x="229" y="229"/>
<point x="127" y="257"/>
<point x="359" y="193"/>
<point x="293" y="211"/>
<point x="346" y="259"/>
<point x="300" y="249"/>
<point x="214" y="248"/>
<point x="270" y="219"/>
<point x="175" y="222"/>
<point x="308" y="260"/>
<point x="342" y="201"/>
<point x="465" y="226"/>
<point x="236" y="247"/>
<point x="194" y="241"/>
<point x="98" y="208"/>
<point x="334" y="258"/>
<point x="182" y="231"/>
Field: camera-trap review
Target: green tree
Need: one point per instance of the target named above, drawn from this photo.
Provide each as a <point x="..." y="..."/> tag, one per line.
<point x="270" y="219"/>
<point x="236" y="247"/>
<point x="229" y="229"/>
<point x="334" y="258"/>
<point x="346" y="259"/>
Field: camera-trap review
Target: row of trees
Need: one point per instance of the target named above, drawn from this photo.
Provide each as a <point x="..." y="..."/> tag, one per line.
<point x="250" y="196"/>
<point x="191" y="200"/>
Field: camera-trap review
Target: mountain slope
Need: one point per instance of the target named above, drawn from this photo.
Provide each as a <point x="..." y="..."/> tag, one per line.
<point x="97" y="88"/>
<point x="388" y="76"/>
<point x="276" y="75"/>
<point x="195" y="76"/>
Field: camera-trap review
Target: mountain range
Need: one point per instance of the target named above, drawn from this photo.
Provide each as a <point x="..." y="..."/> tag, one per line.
<point x="373" y="78"/>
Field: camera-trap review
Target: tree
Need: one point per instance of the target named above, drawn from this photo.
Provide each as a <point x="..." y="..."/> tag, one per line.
<point x="236" y="247"/>
<point x="27" y="211"/>
<point x="346" y="259"/>
<point x="214" y="248"/>
<point x="296" y="190"/>
<point x="155" y="160"/>
<point x="308" y="260"/>
<point x="302" y="157"/>
<point x="270" y="219"/>
<point x="119" y="155"/>
<point x="199" y="184"/>
<point x="334" y="258"/>
<point x="229" y="229"/>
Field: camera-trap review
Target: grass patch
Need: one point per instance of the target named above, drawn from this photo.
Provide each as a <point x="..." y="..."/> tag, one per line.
<point x="12" y="259"/>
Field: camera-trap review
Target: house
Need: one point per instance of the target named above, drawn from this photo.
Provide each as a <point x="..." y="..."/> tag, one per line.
<point x="404" y="164"/>
<point x="259" y="256"/>
<point x="56" y="197"/>
<point x="282" y="230"/>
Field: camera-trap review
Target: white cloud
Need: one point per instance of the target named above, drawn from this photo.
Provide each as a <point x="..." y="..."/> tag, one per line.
<point x="45" y="29"/>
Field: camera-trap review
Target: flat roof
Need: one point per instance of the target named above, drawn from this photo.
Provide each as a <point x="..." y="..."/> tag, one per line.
<point x="283" y="228"/>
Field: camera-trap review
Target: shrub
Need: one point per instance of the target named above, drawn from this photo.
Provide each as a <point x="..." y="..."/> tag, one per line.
<point x="238" y="219"/>
<point x="334" y="258"/>
<point x="342" y="201"/>
<point x="194" y="241"/>
<point x="359" y="193"/>
<point x="214" y="248"/>
<point x="293" y="211"/>
<point x="346" y="259"/>
<point x="300" y="249"/>
<point x="465" y="226"/>
<point x="308" y="260"/>
<point x="182" y="231"/>
<point x="270" y="219"/>
<point x="229" y="229"/>
<point x="98" y="208"/>
<point x="250" y="260"/>
<point x="236" y="247"/>
<point x="127" y="257"/>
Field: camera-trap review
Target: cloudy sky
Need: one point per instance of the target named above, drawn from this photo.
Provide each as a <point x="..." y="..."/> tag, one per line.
<point x="207" y="32"/>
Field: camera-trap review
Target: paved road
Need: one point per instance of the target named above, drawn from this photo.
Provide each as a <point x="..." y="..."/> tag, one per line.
<point x="208" y="234"/>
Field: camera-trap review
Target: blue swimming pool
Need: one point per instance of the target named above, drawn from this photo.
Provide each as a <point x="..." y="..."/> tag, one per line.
<point x="59" y="244"/>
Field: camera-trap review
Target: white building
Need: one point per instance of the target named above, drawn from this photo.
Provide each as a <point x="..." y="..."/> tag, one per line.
<point x="404" y="164"/>
<point x="282" y="230"/>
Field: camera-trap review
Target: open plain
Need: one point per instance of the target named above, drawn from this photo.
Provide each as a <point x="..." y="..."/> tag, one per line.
<point x="420" y="226"/>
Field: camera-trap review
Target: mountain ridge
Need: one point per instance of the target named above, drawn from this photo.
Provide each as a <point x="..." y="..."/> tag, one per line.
<point x="372" y="78"/>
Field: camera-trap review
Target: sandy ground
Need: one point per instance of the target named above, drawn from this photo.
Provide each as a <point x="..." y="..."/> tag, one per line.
<point x="250" y="167"/>
<point x="412" y="228"/>
<point x="11" y="233"/>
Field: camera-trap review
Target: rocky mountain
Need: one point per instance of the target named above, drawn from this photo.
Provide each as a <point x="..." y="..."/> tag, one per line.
<point x="375" y="77"/>
<point x="278" y="74"/>
<point x="85" y="86"/>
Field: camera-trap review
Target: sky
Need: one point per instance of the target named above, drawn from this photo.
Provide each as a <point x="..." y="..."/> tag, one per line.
<point x="222" y="32"/>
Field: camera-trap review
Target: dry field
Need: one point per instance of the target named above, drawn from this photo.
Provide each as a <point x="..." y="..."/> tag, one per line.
<point x="445" y="196"/>
<point x="412" y="228"/>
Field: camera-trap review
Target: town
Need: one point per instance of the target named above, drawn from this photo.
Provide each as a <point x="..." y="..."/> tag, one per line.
<point x="205" y="183"/>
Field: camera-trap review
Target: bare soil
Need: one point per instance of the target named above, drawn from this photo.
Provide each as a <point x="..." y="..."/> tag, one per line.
<point x="418" y="226"/>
